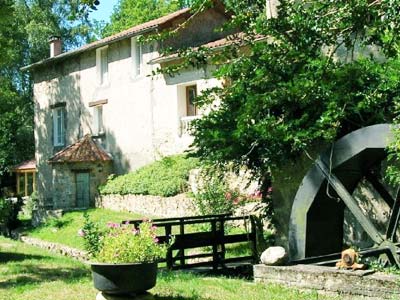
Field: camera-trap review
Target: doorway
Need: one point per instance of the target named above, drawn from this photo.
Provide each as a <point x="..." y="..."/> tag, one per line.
<point x="82" y="189"/>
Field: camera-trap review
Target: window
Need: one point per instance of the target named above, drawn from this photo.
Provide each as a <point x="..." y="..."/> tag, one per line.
<point x="102" y="65"/>
<point x="191" y="94"/>
<point x="59" y="126"/>
<point x="98" y="120"/>
<point x="137" y="57"/>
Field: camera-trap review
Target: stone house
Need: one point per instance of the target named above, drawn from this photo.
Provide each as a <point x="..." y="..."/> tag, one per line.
<point x="99" y="110"/>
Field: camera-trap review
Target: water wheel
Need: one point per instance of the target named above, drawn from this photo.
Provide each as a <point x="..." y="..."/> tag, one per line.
<point x="318" y="216"/>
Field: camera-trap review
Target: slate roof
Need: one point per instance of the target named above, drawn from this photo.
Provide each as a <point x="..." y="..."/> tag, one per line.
<point x="84" y="150"/>
<point x="26" y="165"/>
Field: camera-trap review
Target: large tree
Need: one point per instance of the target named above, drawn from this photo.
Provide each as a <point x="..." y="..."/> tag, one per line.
<point x="129" y="13"/>
<point x="25" y="27"/>
<point x="316" y="72"/>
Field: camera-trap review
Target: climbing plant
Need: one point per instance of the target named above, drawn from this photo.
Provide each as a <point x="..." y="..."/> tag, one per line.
<point x="317" y="71"/>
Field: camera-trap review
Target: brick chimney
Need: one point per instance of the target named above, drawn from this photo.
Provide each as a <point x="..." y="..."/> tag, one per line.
<point x="55" y="46"/>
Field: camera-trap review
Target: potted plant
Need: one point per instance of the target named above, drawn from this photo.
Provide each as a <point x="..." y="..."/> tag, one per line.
<point x="123" y="258"/>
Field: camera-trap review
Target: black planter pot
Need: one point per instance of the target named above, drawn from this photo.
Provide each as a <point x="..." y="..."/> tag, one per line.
<point x="124" y="279"/>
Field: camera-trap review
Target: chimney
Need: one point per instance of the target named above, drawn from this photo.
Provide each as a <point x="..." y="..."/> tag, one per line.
<point x="55" y="45"/>
<point x="272" y="8"/>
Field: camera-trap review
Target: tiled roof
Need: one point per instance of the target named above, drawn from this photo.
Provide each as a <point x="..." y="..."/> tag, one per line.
<point x="136" y="30"/>
<point x="26" y="165"/>
<point x="84" y="150"/>
<point x="214" y="45"/>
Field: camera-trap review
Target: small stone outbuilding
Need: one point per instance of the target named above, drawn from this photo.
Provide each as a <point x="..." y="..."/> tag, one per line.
<point x="78" y="170"/>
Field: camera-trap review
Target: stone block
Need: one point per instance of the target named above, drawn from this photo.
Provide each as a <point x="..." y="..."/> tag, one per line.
<point x="363" y="283"/>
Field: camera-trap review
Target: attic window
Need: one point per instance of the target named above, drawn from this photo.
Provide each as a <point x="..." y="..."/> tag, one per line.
<point x="137" y="57"/>
<point x="102" y="65"/>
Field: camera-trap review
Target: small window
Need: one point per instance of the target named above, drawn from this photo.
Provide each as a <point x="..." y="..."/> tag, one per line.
<point x="102" y="65"/>
<point x="59" y="126"/>
<point x="98" y="120"/>
<point x="137" y="57"/>
<point x="191" y="94"/>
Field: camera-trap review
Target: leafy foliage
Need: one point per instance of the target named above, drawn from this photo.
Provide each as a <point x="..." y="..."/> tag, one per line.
<point x="215" y="197"/>
<point x="316" y="72"/>
<point x="9" y="211"/>
<point x="122" y="243"/>
<point x="129" y="13"/>
<point x="125" y="244"/>
<point x="92" y="236"/>
<point x="167" y="177"/>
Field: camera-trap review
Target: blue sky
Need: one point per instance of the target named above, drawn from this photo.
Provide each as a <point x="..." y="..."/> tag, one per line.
<point x="104" y="10"/>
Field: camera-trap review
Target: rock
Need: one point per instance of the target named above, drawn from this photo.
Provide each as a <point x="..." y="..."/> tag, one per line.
<point x="274" y="256"/>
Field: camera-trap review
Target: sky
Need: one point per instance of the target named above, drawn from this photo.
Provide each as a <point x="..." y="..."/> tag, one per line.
<point x="104" y="10"/>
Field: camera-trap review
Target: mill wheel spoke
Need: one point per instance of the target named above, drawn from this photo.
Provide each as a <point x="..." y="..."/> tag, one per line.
<point x="394" y="221"/>
<point x="351" y="203"/>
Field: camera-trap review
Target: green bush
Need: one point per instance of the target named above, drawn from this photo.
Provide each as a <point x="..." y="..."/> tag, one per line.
<point x="30" y="204"/>
<point x="216" y="197"/>
<point x="167" y="177"/>
<point x="9" y="210"/>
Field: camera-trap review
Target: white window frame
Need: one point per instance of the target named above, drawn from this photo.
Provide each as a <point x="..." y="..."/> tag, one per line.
<point x="58" y="126"/>
<point x="137" y="57"/>
<point x="102" y="65"/>
<point x="98" y="125"/>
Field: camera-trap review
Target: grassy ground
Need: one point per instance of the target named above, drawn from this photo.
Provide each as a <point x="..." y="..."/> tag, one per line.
<point x="28" y="273"/>
<point x="65" y="229"/>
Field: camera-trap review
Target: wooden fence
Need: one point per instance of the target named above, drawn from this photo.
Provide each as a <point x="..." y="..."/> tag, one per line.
<point x="207" y="233"/>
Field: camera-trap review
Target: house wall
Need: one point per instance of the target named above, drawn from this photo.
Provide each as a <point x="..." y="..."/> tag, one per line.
<point x="141" y="117"/>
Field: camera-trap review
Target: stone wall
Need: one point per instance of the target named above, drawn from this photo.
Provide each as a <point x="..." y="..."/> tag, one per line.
<point x="327" y="279"/>
<point x="155" y="206"/>
<point x="56" y="248"/>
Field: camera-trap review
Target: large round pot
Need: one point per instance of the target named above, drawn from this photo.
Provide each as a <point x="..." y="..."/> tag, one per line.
<point x="128" y="278"/>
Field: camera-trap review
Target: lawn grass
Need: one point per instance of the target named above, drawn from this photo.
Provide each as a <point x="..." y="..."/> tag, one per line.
<point x="65" y="229"/>
<point x="28" y="273"/>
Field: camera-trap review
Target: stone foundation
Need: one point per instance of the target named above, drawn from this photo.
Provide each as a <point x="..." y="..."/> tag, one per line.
<point x="155" y="206"/>
<point x="331" y="280"/>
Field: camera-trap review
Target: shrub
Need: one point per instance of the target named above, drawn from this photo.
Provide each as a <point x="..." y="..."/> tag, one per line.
<point x="167" y="177"/>
<point x="92" y="236"/>
<point x="30" y="204"/>
<point x="215" y="197"/>
<point x="9" y="210"/>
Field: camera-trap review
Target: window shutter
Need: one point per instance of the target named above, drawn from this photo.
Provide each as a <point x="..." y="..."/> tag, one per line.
<point x="64" y="126"/>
